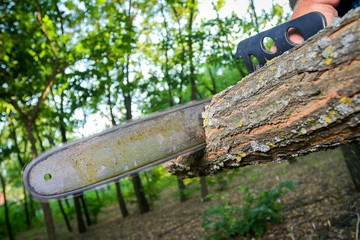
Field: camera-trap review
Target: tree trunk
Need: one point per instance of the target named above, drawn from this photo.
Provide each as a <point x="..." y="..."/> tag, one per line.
<point x="213" y="81"/>
<point x="80" y="220"/>
<point x="87" y="216"/>
<point x="7" y="219"/>
<point x="121" y="201"/>
<point x="351" y="152"/>
<point x="48" y="220"/>
<point x="61" y="119"/>
<point x="26" y="208"/>
<point x="97" y="195"/>
<point x="253" y="15"/>
<point x="50" y="227"/>
<point x="119" y="194"/>
<point x="22" y="164"/>
<point x="191" y="53"/>
<point x="139" y="193"/>
<point x="182" y="187"/>
<point x="67" y="202"/>
<point x="204" y="189"/>
<point x="39" y="138"/>
<point x="65" y="216"/>
<point x="307" y="99"/>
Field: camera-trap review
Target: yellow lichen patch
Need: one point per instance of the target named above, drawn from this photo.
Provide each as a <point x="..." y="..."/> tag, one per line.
<point x="330" y="48"/>
<point x="327" y="61"/>
<point x="206" y="119"/>
<point x="345" y="100"/>
<point x="261" y="78"/>
<point x="238" y="158"/>
<point x="316" y="54"/>
<point x="241" y="153"/>
<point x="262" y="84"/>
<point x="272" y="69"/>
<point x="332" y="112"/>
<point x="243" y="90"/>
<point x="244" y="78"/>
<point x="327" y="119"/>
<point x="312" y="120"/>
<point x="270" y="144"/>
<point x="304" y="60"/>
<point x="345" y="141"/>
<point x="268" y="62"/>
<point x="240" y="124"/>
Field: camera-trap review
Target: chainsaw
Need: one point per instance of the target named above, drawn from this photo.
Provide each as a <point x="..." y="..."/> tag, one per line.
<point x="123" y="150"/>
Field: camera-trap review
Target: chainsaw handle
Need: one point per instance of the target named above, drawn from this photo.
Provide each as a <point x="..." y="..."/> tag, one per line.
<point x="308" y="25"/>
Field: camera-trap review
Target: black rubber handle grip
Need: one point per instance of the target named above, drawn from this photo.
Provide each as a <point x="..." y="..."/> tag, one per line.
<point x="308" y="25"/>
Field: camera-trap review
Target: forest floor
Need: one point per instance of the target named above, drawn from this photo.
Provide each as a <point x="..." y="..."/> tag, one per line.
<point x="321" y="207"/>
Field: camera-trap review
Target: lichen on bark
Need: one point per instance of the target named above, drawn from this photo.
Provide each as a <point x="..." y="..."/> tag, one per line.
<point x="305" y="100"/>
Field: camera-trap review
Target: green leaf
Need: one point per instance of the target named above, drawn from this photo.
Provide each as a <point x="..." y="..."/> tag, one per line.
<point x="6" y="58"/>
<point x="42" y="54"/>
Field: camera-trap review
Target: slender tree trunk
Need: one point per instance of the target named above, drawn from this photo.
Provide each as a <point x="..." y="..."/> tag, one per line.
<point x="45" y="205"/>
<point x="22" y="164"/>
<point x="61" y="119"/>
<point x="351" y="152"/>
<point x="48" y="220"/>
<point x="138" y="188"/>
<point x="119" y="194"/>
<point x="191" y="54"/>
<point x="7" y="219"/>
<point x="26" y="207"/>
<point x="192" y="79"/>
<point x="39" y="138"/>
<point x="127" y="99"/>
<point x="87" y="216"/>
<point x="121" y="201"/>
<point x="204" y="189"/>
<point x="139" y="193"/>
<point x="97" y="195"/>
<point x="166" y="49"/>
<point x="182" y="187"/>
<point x="254" y="16"/>
<point x="80" y="220"/>
<point x="31" y="207"/>
<point x="67" y="202"/>
<point x="213" y="81"/>
<point x="65" y="216"/>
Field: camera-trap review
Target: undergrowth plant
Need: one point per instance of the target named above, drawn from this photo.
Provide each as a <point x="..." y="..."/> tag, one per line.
<point x="248" y="219"/>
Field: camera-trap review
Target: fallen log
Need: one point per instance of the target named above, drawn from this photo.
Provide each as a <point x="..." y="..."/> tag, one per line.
<point x="306" y="100"/>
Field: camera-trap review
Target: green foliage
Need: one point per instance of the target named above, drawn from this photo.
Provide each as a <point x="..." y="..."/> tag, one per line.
<point x="248" y="219"/>
<point x="109" y="58"/>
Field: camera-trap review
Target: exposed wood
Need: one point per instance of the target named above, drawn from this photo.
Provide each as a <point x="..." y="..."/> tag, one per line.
<point x="306" y="100"/>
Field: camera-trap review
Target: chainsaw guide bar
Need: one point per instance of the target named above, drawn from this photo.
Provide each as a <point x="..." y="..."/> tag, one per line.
<point x="136" y="145"/>
<point x="117" y="152"/>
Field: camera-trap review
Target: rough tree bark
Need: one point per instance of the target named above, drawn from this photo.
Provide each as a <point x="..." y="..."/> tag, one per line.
<point x="306" y="100"/>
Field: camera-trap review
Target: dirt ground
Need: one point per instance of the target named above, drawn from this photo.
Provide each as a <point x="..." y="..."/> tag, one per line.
<point x="323" y="206"/>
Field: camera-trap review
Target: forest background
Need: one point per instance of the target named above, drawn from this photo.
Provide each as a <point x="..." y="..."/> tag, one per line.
<point x="73" y="68"/>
